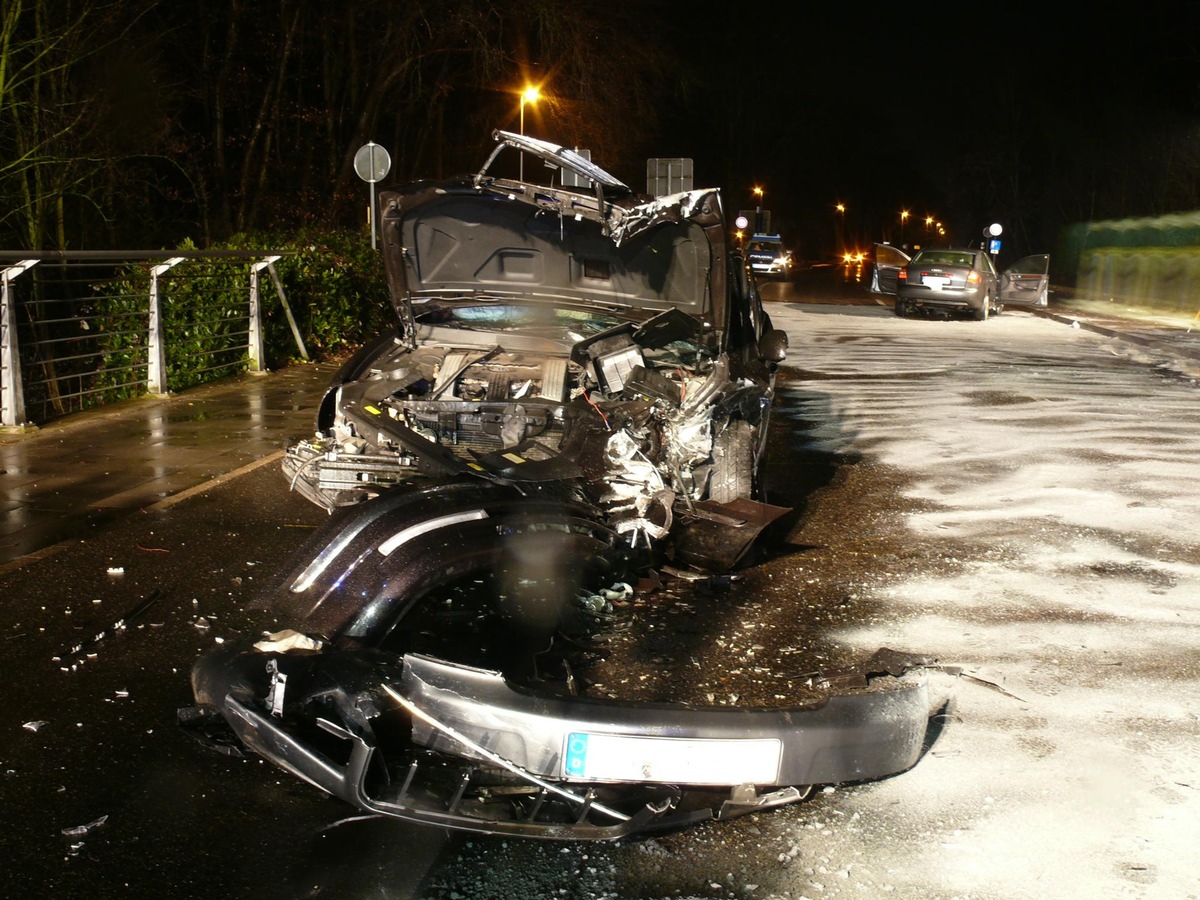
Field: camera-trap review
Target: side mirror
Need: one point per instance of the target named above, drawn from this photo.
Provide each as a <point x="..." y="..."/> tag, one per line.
<point x="772" y="346"/>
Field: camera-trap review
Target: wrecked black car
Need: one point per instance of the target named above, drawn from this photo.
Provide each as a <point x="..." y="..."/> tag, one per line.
<point x="579" y="389"/>
<point x="612" y="344"/>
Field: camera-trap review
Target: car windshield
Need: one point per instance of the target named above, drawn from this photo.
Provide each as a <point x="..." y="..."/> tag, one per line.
<point x="552" y="322"/>
<point x="944" y="258"/>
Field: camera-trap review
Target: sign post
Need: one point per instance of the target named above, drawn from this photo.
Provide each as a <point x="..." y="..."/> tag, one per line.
<point x="371" y="164"/>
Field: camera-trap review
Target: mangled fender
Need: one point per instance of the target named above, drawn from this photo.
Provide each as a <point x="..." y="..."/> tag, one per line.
<point x="359" y="574"/>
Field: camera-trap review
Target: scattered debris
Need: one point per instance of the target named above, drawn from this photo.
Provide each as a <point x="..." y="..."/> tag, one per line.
<point x="286" y="641"/>
<point x="120" y="624"/>
<point x="81" y="830"/>
<point x="35" y="726"/>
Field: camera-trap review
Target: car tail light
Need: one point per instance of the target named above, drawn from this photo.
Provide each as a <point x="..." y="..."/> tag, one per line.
<point x="974" y="277"/>
<point x="902" y="274"/>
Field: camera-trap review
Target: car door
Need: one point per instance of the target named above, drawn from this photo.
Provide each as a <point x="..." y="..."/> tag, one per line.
<point x="1026" y="282"/>
<point x="888" y="262"/>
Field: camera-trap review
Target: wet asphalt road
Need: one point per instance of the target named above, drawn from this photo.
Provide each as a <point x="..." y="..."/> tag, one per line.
<point x="1013" y="496"/>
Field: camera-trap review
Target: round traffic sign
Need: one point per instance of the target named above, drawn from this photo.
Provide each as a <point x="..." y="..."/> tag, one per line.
<point x="372" y="162"/>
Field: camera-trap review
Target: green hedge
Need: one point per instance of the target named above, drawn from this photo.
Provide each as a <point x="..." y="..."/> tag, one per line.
<point x="333" y="281"/>
<point x="335" y="286"/>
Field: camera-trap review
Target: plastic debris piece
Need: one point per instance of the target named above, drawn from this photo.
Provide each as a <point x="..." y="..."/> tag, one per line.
<point x="286" y="641"/>
<point x="116" y="570"/>
<point x="81" y="830"/>
<point x="35" y="726"/>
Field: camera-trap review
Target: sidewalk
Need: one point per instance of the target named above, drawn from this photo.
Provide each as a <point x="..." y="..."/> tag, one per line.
<point x="76" y="474"/>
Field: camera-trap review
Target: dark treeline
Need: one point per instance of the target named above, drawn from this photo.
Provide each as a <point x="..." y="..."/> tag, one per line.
<point x="133" y="122"/>
<point x="142" y="122"/>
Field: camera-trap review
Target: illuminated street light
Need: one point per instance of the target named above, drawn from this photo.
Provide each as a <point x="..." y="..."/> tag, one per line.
<point x="903" y="219"/>
<point x="841" y="208"/>
<point x="758" y="216"/>
<point x="530" y="95"/>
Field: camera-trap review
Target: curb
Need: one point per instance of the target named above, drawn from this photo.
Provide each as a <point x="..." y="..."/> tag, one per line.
<point x="1120" y="334"/>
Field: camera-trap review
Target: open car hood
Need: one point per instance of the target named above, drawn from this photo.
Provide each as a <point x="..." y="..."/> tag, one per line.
<point x="486" y="237"/>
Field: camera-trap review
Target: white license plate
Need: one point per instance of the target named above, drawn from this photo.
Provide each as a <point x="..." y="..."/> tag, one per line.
<point x="622" y="757"/>
<point x="937" y="282"/>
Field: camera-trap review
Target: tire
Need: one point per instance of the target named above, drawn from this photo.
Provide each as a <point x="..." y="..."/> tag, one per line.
<point x="981" y="314"/>
<point x="901" y="308"/>
<point x="733" y="468"/>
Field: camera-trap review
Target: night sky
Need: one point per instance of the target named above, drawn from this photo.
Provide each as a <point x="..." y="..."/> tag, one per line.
<point x="972" y="113"/>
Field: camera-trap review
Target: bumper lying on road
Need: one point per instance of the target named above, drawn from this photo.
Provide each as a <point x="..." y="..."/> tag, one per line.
<point x="421" y="739"/>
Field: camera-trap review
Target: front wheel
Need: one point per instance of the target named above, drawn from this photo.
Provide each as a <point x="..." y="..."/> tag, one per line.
<point x="733" y="465"/>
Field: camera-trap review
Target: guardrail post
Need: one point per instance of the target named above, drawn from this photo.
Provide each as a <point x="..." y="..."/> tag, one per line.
<point x="12" y="390"/>
<point x="255" y="351"/>
<point x="156" y="376"/>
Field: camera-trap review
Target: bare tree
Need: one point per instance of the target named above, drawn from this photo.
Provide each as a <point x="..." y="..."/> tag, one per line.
<point x="53" y="116"/>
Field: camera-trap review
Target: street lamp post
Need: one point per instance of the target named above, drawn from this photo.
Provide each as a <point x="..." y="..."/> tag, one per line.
<point x="529" y="95"/>
<point x="758" y="216"/>
<point x="841" y="208"/>
<point x="903" y="219"/>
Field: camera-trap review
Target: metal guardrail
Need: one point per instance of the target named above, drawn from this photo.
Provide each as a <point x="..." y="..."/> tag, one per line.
<point x="79" y="329"/>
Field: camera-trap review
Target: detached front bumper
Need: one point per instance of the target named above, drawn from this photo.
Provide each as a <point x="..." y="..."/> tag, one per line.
<point x="428" y="741"/>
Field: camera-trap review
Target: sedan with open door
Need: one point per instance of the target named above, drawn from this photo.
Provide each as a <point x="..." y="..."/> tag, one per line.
<point x="952" y="281"/>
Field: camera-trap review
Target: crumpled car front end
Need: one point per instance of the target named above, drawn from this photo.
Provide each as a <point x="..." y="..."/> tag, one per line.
<point x="611" y="344"/>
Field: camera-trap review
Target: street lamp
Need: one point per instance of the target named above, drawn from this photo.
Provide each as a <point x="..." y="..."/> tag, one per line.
<point x="841" y="208"/>
<point x="758" y="216"/>
<point x="903" y="219"/>
<point x="530" y="95"/>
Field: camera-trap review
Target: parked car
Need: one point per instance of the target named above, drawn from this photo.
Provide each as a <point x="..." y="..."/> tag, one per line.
<point x="958" y="281"/>
<point x="579" y="378"/>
